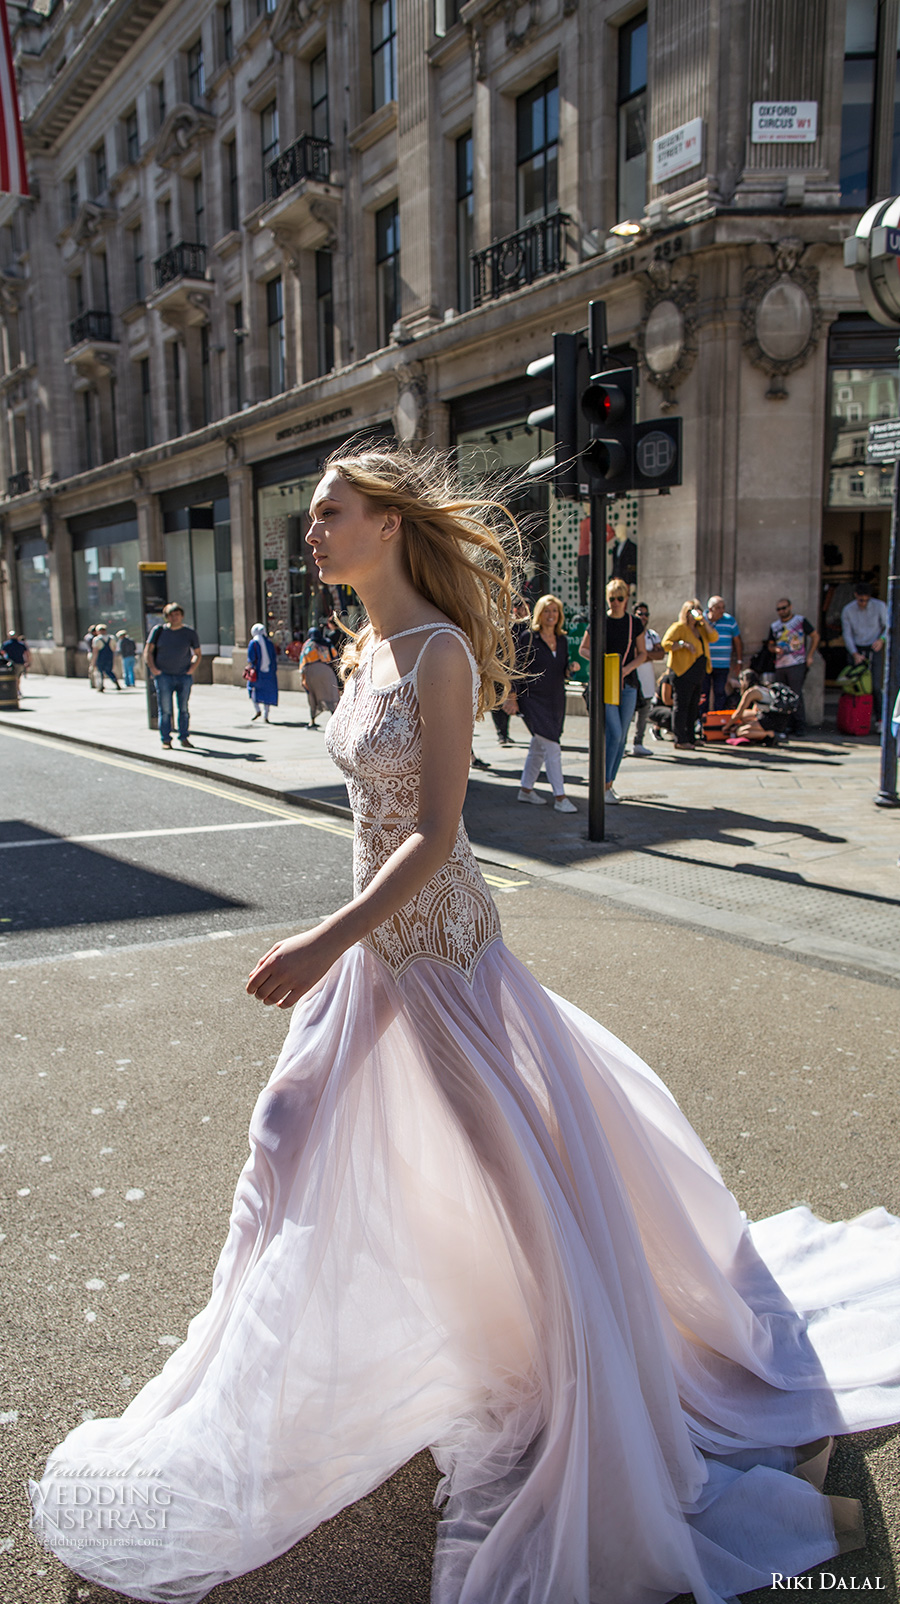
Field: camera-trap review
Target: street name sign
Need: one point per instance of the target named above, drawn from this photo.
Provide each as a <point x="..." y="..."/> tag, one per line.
<point x="884" y="441"/>
<point x="678" y="151"/>
<point x="784" y="122"/>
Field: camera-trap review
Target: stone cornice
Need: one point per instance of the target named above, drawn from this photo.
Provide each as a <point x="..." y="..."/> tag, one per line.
<point x="383" y="121"/>
<point x="91" y="63"/>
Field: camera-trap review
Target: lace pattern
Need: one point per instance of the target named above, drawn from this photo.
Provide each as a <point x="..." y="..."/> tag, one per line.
<point x="375" y="740"/>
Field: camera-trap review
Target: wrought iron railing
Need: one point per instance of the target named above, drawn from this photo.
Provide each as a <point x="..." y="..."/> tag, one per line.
<point x="306" y="158"/>
<point x="18" y="484"/>
<point x="520" y="258"/>
<point x="94" y="325"/>
<point x="183" y="260"/>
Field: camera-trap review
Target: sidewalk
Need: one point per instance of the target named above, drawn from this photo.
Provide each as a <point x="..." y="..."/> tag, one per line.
<point x="783" y="847"/>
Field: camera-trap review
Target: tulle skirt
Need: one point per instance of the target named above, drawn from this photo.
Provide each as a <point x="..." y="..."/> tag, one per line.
<point x="472" y="1220"/>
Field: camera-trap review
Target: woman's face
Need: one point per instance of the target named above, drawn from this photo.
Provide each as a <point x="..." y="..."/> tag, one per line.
<point x="349" y="537"/>
<point x="550" y="616"/>
<point x="617" y="602"/>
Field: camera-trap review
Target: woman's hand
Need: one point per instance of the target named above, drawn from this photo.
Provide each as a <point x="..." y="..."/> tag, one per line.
<point x="292" y="967"/>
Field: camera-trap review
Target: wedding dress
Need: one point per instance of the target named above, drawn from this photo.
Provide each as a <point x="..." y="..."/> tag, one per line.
<point x="472" y="1220"/>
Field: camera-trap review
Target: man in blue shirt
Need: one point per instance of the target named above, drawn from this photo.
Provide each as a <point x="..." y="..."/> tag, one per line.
<point x="722" y="652"/>
<point x="864" y="624"/>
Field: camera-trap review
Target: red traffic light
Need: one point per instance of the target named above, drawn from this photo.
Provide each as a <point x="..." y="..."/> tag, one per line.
<point x="604" y="403"/>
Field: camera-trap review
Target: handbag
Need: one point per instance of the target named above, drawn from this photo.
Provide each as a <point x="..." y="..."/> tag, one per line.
<point x="250" y="675"/>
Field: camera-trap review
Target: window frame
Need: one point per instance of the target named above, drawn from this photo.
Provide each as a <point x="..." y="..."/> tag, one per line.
<point x="324" y="314"/>
<point x="387" y="43"/>
<point x="269" y="151"/>
<point x="132" y="136"/>
<point x="279" y="348"/>
<point x="387" y="262"/>
<point x="315" y="104"/>
<point x="629" y="101"/>
<point x="538" y="154"/>
<point x="196" y="73"/>
<point x="465" y="218"/>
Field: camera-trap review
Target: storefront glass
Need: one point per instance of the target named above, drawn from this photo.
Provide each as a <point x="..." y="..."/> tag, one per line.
<point x="858" y="396"/>
<point x="493" y="462"/>
<point x="107" y="589"/>
<point x="33" y="583"/>
<point x="293" y="597"/>
<point x="198" y="570"/>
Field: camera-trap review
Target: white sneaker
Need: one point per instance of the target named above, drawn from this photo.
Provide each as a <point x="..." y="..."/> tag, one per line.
<point x="611" y="795"/>
<point x="532" y="797"/>
<point x="641" y="751"/>
<point x="563" y="805"/>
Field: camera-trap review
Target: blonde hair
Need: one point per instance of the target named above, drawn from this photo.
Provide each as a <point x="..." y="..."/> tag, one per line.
<point x="453" y="552"/>
<point x="617" y="587"/>
<point x="540" y="606"/>
<point x="688" y="607"/>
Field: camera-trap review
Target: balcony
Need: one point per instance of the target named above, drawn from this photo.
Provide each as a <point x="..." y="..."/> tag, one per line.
<point x="92" y="346"/>
<point x="18" y="484"/>
<point x="300" y="206"/>
<point x="182" y="293"/>
<point x="519" y="259"/>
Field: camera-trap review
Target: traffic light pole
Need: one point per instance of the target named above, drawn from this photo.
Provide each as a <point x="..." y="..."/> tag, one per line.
<point x="597" y="712"/>
<point x="887" y="793"/>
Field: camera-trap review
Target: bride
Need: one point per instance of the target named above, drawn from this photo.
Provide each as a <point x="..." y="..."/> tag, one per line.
<point x="472" y="1219"/>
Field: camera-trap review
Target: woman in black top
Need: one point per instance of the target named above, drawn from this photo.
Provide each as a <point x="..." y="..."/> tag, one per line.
<point x="541" y="699"/>
<point x="625" y="637"/>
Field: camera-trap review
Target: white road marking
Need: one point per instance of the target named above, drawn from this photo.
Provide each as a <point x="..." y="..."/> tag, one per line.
<point x="144" y="835"/>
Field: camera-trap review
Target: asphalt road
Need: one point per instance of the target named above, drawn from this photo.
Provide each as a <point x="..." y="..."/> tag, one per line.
<point x="133" y="1065"/>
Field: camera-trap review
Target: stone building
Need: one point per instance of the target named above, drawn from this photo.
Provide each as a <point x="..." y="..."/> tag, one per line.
<point x="260" y="226"/>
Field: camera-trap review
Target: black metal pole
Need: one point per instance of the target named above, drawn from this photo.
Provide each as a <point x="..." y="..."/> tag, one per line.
<point x="887" y="794"/>
<point x="597" y="718"/>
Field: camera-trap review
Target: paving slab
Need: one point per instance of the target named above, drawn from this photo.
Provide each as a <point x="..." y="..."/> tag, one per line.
<point x="784" y="847"/>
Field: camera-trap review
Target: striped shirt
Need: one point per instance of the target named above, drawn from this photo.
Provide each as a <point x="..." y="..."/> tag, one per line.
<point x="720" y="650"/>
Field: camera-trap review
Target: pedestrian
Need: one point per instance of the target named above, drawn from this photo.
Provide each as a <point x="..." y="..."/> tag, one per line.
<point x="725" y="654"/>
<point x="625" y="638"/>
<point x="795" y="642"/>
<point x="646" y="679"/>
<point x="294" y="647"/>
<point x="102" y="660"/>
<point x="540" y="698"/>
<point x="127" y="650"/>
<point x="317" y="675"/>
<point x="687" y="644"/>
<point x="750" y="720"/>
<point x="471" y="1219"/>
<point x="261" y="672"/>
<point x="661" y="707"/>
<point x="864" y="623"/>
<point x="171" y="655"/>
<point x="16" y="650"/>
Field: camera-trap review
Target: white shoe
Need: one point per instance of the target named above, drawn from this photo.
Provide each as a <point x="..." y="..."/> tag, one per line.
<point x="611" y="795"/>
<point x="532" y="797"/>
<point x="641" y="751"/>
<point x="563" y="805"/>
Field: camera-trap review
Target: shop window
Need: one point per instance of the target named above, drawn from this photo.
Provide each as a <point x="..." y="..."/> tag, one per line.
<point x="324" y="311"/>
<point x="384" y="52"/>
<point x="465" y="220"/>
<point x="504" y="450"/>
<point x="198" y="570"/>
<point x="631" y="188"/>
<point x="275" y="324"/>
<point x="387" y="269"/>
<point x="859" y="396"/>
<point x="33" y="585"/>
<point x="107" y="581"/>
<point x="196" y="74"/>
<point x="860" y="49"/>
<point x="293" y="597"/>
<point x="318" y="95"/>
<point x="537" y="138"/>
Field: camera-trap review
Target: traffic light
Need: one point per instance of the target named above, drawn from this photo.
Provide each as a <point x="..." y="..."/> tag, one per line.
<point x="563" y="420"/>
<point x="608" y="405"/>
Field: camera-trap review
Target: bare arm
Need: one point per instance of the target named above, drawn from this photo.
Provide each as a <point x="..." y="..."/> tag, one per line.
<point x="150" y="659"/>
<point x="293" y="966"/>
<point x="812" y="647"/>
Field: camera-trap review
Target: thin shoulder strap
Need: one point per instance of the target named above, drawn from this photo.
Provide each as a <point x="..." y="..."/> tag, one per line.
<point x="462" y="637"/>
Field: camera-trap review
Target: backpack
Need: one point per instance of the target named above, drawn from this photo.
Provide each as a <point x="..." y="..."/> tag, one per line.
<point x="856" y="678"/>
<point x="783" y="700"/>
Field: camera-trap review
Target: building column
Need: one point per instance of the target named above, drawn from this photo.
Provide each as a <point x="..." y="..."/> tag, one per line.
<point x="151" y="543"/>
<point x="243" y="552"/>
<point x="55" y="532"/>
<point x="415" y="170"/>
<point x="8" y="593"/>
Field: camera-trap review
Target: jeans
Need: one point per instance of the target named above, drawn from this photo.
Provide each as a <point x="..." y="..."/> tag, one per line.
<point x="547" y="755"/>
<point x="794" y="675"/>
<point x="128" y="670"/>
<point x="716" y="682"/>
<point x="167" y="686"/>
<point x="617" y="722"/>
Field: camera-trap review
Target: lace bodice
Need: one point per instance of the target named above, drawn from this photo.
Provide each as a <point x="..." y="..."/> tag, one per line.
<point x="375" y="740"/>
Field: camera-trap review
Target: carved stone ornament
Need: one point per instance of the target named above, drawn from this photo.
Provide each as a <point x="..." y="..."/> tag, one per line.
<point x="11" y="290"/>
<point x="521" y="18"/>
<point x="781" y="319"/>
<point x="410" y="416"/>
<point x="291" y="17"/>
<point x="91" y="221"/>
<point x="478" y="44"/>
<point x="184" y="127"/>
<point x="667" y="337"/>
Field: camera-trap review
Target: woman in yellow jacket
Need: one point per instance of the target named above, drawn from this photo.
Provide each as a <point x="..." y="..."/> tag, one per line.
<point x="687" y="644"/>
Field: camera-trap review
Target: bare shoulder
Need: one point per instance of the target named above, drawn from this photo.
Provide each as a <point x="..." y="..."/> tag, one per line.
<point x="445" y="655"/>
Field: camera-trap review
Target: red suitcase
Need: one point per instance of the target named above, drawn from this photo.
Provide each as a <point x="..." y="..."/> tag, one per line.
<point x="854" y="714"/>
